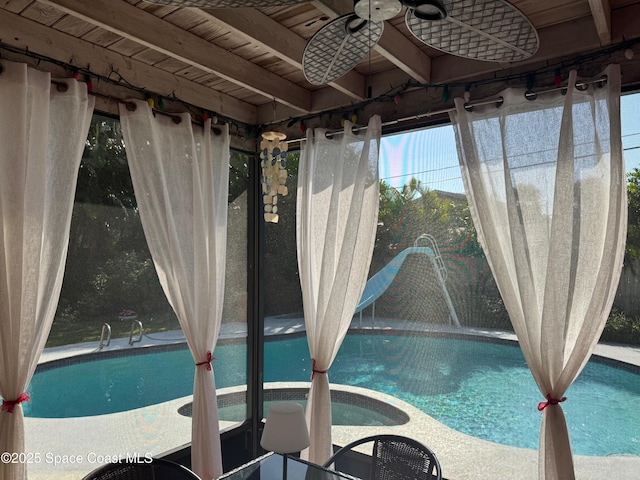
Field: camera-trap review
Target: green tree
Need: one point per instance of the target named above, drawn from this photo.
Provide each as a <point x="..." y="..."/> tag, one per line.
<point x="633" y="201"/>
<point x="109" y="267"/>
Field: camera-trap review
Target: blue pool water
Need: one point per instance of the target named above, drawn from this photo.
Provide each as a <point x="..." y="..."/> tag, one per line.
<point x="480" y="388"/>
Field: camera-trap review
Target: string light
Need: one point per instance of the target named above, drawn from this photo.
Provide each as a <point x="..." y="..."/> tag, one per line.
<point x="445" y="94"/>
<point x="531" y="78"/>
<point x="557" y="78"/>
<point x="151" y="102"/>
<point x="114" y="77"/>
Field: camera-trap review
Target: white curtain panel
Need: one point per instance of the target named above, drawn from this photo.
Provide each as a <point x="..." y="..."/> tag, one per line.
<point x="180" y="175"/>
<point x="545" y="180"/>
<point x="42" y="136"/>
<point x="337" y="215"/>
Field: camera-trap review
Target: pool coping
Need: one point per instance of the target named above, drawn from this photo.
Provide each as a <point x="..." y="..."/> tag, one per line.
<point x="462" y="456"/>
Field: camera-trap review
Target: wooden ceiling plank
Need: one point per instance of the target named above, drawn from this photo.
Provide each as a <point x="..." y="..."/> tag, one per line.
<point x="16" y="6"/>
<point x="601" y="12"/>
<point x="42" y="14"/>
<point x="625" y="24"/>
<point x="135" y="24"/>
<point x="28" y="34"/>
<point x="258" y="28"/>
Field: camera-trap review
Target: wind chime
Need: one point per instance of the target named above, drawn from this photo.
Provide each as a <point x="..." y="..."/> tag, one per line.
<point x="273" y="160"/>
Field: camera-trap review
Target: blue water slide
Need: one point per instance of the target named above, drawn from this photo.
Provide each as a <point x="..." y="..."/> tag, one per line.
<point x="379" y="283"/>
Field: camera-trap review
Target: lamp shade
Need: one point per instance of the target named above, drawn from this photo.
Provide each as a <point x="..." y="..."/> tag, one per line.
<point x="285" y="430"/>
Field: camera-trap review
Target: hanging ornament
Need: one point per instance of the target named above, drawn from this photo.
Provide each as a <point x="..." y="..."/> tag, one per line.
<point x="273" y="160"/>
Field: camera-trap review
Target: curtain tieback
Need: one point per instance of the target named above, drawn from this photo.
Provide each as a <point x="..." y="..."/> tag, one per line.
<point x="9" y="405"/>
<point x="550" y="401"/>
<point x="314" y="370"/>
<point x="207" y="362"/>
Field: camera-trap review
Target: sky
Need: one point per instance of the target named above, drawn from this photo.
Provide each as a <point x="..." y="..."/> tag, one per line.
<point x="430" y="155"/>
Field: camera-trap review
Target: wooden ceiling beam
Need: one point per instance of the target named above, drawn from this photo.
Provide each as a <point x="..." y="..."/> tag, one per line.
<point x="126" y="20"/>
<point x="257" y="28"/>
<point x="601" y="13"/>
<point x="27" y="34"/>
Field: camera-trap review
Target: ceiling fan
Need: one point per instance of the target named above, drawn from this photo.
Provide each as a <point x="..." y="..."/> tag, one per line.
<point x="489" y="30"/>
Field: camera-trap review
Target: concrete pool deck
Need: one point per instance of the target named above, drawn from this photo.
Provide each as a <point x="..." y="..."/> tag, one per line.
<point x="60" y="443"/>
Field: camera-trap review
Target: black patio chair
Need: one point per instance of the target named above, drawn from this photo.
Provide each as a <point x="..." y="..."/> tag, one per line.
<point x="156" y="469"/>
<point x="394" y="457"/>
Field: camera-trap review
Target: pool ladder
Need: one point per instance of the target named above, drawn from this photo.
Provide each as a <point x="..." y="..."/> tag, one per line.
<point x="106" y="332"/>
<point x="132" y="340"/>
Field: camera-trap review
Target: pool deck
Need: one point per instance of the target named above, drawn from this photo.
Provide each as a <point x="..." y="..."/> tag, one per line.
<point x="159" y="428"/>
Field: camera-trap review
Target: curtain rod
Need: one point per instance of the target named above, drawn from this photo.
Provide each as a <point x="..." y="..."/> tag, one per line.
<point x="62" y="86"/>
<point x="498" y="101"/>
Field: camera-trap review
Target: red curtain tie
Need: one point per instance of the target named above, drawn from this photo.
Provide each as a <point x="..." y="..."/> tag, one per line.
<point x="9" y="405"/>
<point x="550" y="401"/>
<point x="314" y="370"/>
<point x="208" y="361"/>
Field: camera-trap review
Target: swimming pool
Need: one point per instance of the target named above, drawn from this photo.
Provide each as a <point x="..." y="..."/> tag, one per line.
<point x="480" y="388"/>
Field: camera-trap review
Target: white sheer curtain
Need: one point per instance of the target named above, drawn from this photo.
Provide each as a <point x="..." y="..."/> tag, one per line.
<point x="546" y="183"/>
<point x="180" y="176"/>
<point x="43" y="130"/>
<point x="337" y="214"/>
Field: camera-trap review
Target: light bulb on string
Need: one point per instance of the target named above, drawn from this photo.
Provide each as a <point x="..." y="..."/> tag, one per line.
<point x="530" y="81"/>
<point x="557" y="78"/>
<point x="445" y="94"/>
<point x="467" y="94"/>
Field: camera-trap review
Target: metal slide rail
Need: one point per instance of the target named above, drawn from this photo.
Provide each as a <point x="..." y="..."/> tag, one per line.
<point x="106" y="332"/>
<point x="441" y="273"/>
<point x="433" y="245"/>
<point x="134" y="324"/>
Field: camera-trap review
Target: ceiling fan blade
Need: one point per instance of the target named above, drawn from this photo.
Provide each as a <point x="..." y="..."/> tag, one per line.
<point x="490" y="30"/>
<point x="338" y="47"/>
<point x="227" y="3"/>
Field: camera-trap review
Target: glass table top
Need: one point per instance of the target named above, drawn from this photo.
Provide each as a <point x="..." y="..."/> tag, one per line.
<point x="270" y="467"/>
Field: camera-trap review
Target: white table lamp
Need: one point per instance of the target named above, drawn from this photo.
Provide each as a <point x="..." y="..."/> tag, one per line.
<point x="285" y="431"/>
